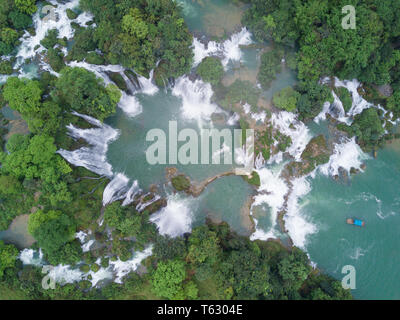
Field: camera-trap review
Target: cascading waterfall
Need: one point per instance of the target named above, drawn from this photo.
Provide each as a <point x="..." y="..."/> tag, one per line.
<point x="92" y="158"/>
<point x="287" y="123"/>
<point x="176" y="218"/>
<point x="196" y="99"/>
<point x="30" y="45"/>
<point x="229" y="50"/>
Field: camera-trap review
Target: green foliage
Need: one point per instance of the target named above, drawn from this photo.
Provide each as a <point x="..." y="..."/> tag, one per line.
<point x="313" y="97"/>
<point x="270" y="66"/>
<point x="52" y="230"/>
<point x="26" y="6"/>
<point x="211" y="70"/>
<point x="367" y="53"/>
<point x="203" y="246"/>
<point x="167" y="280"/>
<point x="8" y="36"/>
<point x="23" y="95"/>
<point x="345" y="97"/>
<point x="286" y="99"/>
<point x="167" y="248"/>
<point x="294" y="269"/>
<point x="80" y="90"/>
<point x="129" y="222"/>
<point x="367" y="127"/>
<point x="6" y="67"/>
<point x="20" y="20"/>
<point x="51" y="39"/>
<point x="180" y="183"/>
<point x="139" y="35"/>
<point x="254" y="179"/>
<point x="8" y="257"/>
<point x="55" y="58"/>
<point x="239" y="93"/>
<point x="71" y="14"/>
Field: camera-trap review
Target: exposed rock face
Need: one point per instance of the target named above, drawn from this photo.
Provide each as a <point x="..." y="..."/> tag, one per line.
<point x="385" y="90"/>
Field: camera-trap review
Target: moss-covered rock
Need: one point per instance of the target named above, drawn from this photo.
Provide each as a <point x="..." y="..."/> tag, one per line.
<point x="344" y="96"/>
<point x="180" y="183"/>
<point x="84" y="268"/>
<point x="95" y="267"/>
<point x="315" y="154"/>
<point x="71" y="14"/>
<point x="253" y="179"/>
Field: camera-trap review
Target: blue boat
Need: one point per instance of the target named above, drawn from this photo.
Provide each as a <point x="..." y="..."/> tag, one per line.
<point x="356" y="222"/>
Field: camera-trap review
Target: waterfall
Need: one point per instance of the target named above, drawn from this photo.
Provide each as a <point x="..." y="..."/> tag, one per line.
<point x="229" y="50"/>
<point x="346" y="155"/>
<point x="94" y="157"/>
<point x="287" y="123"/>
<point x="176" y="218"/>
<point x="196" y="99"/>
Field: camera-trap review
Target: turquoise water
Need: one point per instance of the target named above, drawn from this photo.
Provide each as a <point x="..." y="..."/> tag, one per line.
<point x="373" y="250"/>
<point x="214" y="18"/>
<point x="222" y="199"/>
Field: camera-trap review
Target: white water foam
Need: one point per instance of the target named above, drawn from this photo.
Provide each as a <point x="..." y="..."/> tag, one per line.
<point x="271" y="192"/>
<point x="346" y="155"/>
<point x="122" y="268"/>
<point x="176" y="218"/>
<point x="287" y="123"/>
<point x="196" y="99"/>
<point x="92" y="158"/>
<point x="63" y="25"/>
<point x="229" y="50"/>
<point x="297" y="225"/>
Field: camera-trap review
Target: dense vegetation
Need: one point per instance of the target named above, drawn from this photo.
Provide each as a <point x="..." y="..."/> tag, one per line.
<point x="140" y="35"/>
<point x="211" y="263"/>
<point x="211" y="70"/>
<point x="313" y="29"/>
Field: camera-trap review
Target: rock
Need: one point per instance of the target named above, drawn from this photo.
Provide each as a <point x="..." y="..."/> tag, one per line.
<point x="385" y="90"/>
<point x="133" y="79"/>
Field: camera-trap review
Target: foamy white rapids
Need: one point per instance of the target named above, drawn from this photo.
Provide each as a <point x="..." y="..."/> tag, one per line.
<point x="196" y="99"/>
<point x="288" y="124"/>
<point x="117" y="189"/>
<point x="296" y="223"/>
<point x="176" y="218"/>
<point x="233" y="119"/>
<point x="272" y="193"/>
<point x="122" y="268"/>
<point x="31" y="257"/>
<point x="63" y="25"/>
<point x="229" y="50"/>
<point x="141" y="206"/>
<point x="128" y="103"/>
<point x="346" y="155"/>
<point x="92" y="158"/>
<point x="359" y="103"/>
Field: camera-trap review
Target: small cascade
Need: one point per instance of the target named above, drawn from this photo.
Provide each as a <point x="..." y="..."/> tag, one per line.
<point x="287" y="123"/>
<point x="196" y="99"/>
<point x="176" y="218"/>
<point x="229" y="50"/>
<point x="346" y="155"/>
<point x="297" y="225"/>
<point x="30" y="45"/>
<point x="94" y="157"/>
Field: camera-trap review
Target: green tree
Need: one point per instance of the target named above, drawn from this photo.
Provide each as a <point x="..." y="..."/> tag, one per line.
<point x="167" y="279"/>
<point x="23" y="95"/>
<point x="80" y="90"/>
<point x="211" y="70"/>
<point x="286" y="99"/>
<point x="26" y="6"/>
<point x="8" y="257"/>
